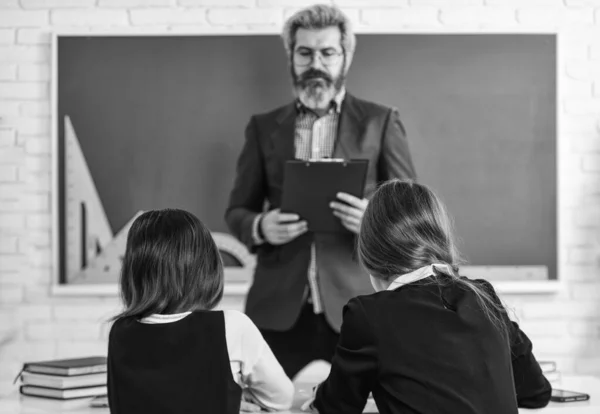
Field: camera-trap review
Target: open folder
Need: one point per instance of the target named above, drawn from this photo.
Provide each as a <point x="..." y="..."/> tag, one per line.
<point x="309" y="187"/>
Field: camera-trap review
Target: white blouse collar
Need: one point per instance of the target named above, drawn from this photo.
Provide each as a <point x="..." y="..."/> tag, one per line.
<point x="421" y="273"/>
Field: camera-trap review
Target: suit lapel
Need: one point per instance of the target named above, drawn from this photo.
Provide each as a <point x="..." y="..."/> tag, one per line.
<point x="350" y="131"/>
<point x="283" y="134"/>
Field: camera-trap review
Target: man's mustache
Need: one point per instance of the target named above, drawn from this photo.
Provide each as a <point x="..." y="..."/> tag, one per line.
<point x="315" y="74"/>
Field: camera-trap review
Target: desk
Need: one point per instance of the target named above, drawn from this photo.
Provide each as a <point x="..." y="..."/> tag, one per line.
<point x="17" y="404"/>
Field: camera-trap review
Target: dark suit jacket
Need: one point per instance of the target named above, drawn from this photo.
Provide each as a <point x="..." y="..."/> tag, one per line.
<point x="427" y="349"/>
<point x="366" y="130"/>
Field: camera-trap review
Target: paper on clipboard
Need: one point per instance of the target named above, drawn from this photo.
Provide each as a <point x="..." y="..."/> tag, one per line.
<point x="309" y="187"/>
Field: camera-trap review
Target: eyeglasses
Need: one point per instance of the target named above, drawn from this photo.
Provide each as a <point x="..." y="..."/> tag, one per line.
<point x="304" y="56"/>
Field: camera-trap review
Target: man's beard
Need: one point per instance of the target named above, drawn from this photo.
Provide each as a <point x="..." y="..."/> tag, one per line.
<point x="316" y="89"/>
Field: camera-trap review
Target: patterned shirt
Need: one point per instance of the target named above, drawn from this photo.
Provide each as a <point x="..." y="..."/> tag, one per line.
<point x="314" y="138"/>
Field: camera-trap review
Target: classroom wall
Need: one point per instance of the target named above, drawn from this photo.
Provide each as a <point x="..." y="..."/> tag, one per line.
<point x="35" y="325"/>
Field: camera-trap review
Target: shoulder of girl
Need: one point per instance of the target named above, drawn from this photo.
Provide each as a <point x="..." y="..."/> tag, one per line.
<point x="237" y="318"/>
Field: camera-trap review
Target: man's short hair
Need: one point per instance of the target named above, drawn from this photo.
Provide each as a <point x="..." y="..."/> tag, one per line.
<point x="319" y="16"/>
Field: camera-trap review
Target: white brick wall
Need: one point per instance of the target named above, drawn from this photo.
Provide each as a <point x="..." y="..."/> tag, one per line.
<point x="37" y="325"/>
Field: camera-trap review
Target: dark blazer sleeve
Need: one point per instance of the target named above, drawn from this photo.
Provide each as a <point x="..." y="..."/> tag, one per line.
<point x="395" y="159"/>
<point x="353" y="367"/>
<point x="532" y="388"/>
<point x="248" y="194"/>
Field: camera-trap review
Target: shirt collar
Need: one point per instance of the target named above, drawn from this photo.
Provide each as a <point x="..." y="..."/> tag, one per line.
<point x="336" y="102"/>
<point x="421" y="273"/>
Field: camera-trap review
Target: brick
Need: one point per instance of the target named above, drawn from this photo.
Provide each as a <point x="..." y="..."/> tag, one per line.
<point x="8" y="173"/>
<point x="89" y="17"/>
<point x="591" y="163"/>
<point x="56" y="4"/>
<point x="35" y="109"/>
<point x="573" y="236"/>
<point x="477" y="15"/>
<point x="230" y="3"/>
<point x="558" y="310"/>
<point x="37" y="277"/>
<point x="554" y="16"/>
<point x="61" y="331"/>
<point x="11" y="191"/>
<point x="399" y="17"/>
<point x="37" y="146"/>
<point x="582" y="106"/>
<point x="39" y="293"/>
<point x="352" y="14"/>
<point x="11" y="264"/>
<point x="24" y="90"/>
<point x="35" y="202"/>
<point x="39" y="257"/>
<point x="33" y="37"/>
<point x="298" y="4"/>
<point x="135" y="3"/>
<point x="24" y="54"/>
<point x="573" y="49"/>
<point x="578" y="124"/>
<point x="445" y="3"/>
<point x="583" y="69"/>
<point x="583" y="256"/>
<point x="588" y="329"/>
<point x="12" y="221"/>
<point x="19" y="18"/>
<point x="585" y="291"/>
<point x="545" y="329"/>
<point x="13" y="155"/>
<point x="11" y="294"/>
<point x="8" y="72"/>
<point x="566" y="346"/>
<point x="37" y="164"/>
<point x="8" y="244"/>
<point x="38" y="182"/>
<point x="26" y="313"/>
<point x="7" y="137"/>
<point x="75" y="349"/>
<point x="8" y="205"/>
<point x="591" y="200"/>
<point x="9" y="4"/>
<point x="595" y="49"/>
<point x="579" y="3"/>
<point x="38" y="221"/>
<point x="590" y="183"/>
<point x="28" y="351"/>
<point x="524" y="2"/>
<point x="245" y="16"/>
<point x="99" y="313"/>
<point x="168" y="16"/>
<point x="10" y="109"/>
<point x="7" y="36"/>
<point x="39" y="238"/>
<point x="585" y="143"/>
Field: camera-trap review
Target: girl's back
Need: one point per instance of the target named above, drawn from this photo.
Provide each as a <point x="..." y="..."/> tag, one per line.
<point x="174" y="367"/>
<point x="439" y="352"/>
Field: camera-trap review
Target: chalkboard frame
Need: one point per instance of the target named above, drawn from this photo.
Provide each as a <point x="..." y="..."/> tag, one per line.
<point x="510" y="285"/>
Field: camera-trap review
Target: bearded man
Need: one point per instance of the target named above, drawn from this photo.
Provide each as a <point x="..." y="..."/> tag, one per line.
<point x="303" y="279"/>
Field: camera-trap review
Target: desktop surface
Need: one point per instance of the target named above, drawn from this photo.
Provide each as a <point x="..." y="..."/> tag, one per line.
<point x="20" y="404"/>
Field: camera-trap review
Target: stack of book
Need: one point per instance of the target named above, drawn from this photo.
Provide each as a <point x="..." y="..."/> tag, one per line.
<point x="549" y="371"/>
<point x="65" y="379"/>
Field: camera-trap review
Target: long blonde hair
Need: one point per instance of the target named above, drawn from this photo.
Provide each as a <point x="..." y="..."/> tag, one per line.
<point x="406" y="227"/>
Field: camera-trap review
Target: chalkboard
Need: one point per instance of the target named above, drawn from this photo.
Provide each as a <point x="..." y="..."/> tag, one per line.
<point x="160" y="120"/>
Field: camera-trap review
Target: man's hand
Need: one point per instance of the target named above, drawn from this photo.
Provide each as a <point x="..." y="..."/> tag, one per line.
<point x="280" y="228"/>
<point x="351" y="211"/>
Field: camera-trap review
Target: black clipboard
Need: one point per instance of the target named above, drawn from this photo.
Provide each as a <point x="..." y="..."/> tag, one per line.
<point x="309" y="187"/>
